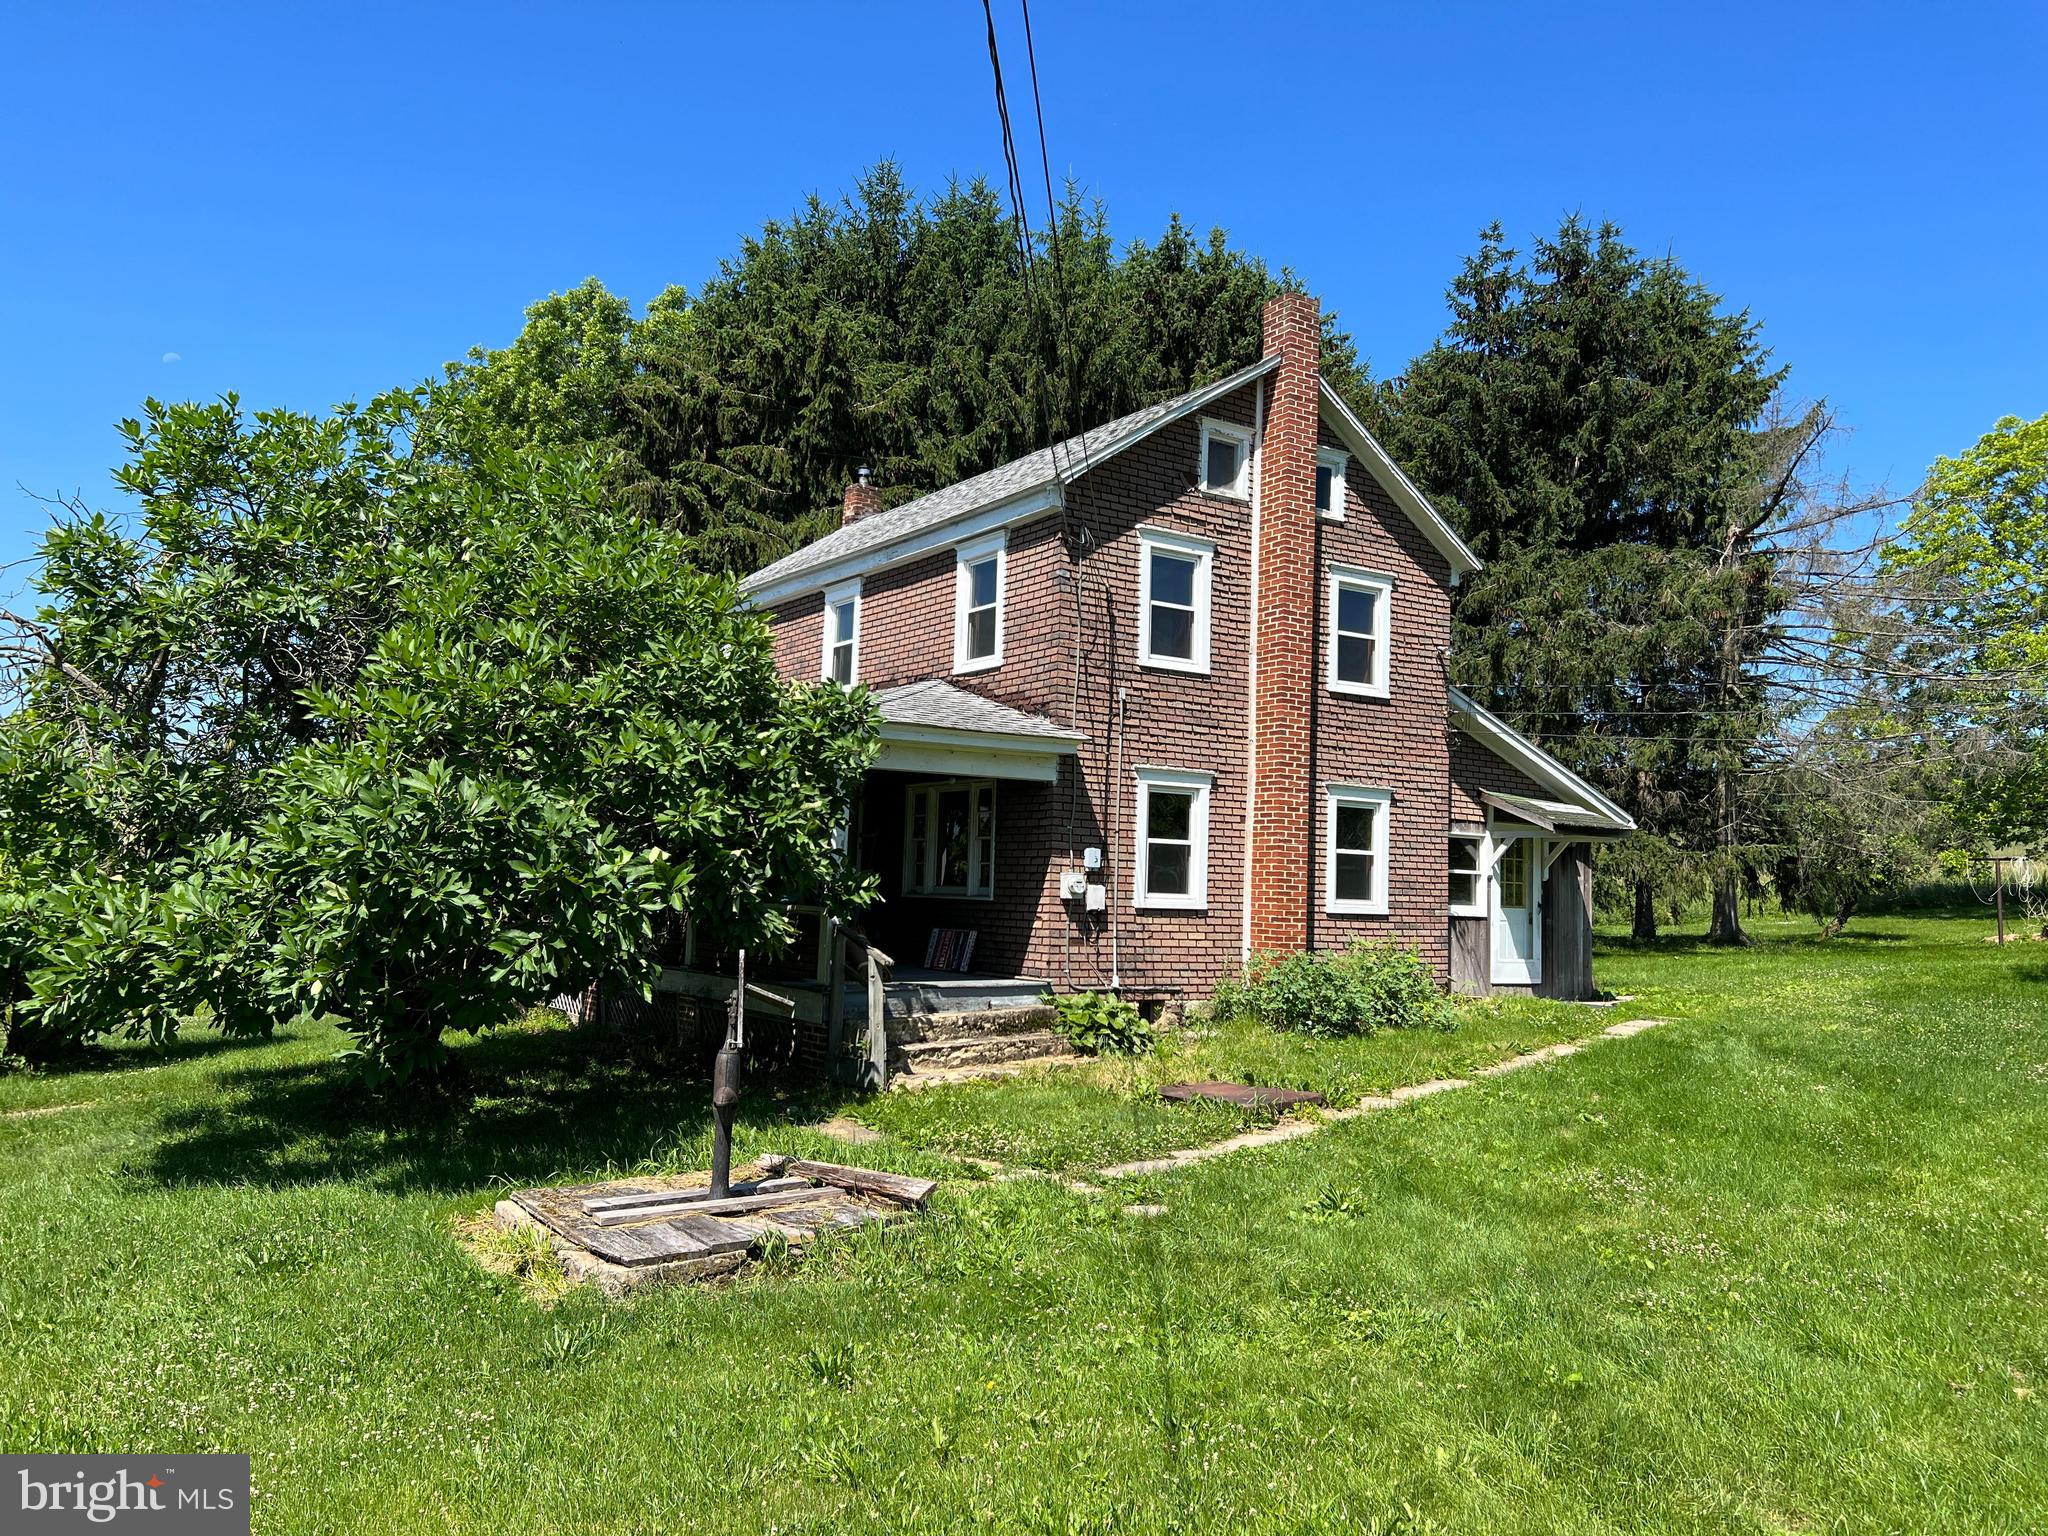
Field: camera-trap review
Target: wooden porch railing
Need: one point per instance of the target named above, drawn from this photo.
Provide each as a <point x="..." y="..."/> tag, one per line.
<point x="868" y="1067"/>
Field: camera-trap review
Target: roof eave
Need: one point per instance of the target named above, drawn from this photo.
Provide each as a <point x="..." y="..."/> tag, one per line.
<point x="1040" y="496"/>
<point x="1512" y="746"/>
<point x="1434" y="526"/>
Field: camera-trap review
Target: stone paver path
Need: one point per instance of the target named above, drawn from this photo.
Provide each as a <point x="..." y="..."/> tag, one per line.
<point x="1289" y="1128"/>
<point x="1292" y="1129"/>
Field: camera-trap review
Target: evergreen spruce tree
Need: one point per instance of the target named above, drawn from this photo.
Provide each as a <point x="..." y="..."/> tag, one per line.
<point x="1590" y="419"/>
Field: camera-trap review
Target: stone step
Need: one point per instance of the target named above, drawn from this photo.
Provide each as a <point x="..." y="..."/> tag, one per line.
<point x="974" y="1050"/>
<point x="971" y="1024"/>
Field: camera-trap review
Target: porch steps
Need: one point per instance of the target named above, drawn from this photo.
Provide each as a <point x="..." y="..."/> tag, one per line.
<point x="924" y="1047"/>
<point x="975" y="1050"/>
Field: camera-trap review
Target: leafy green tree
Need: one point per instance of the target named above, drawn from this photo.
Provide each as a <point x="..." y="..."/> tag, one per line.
<point x="422" y="729"/>
<point x="1591" y="417"/>
<point x="1971" y="554"/>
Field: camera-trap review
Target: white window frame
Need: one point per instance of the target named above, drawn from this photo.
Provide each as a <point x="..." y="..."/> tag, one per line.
<point x="1482" y="871"/>
<point x="921" y="881"/>
<point x="1239" y="489"/>
<point x="1177" y="781"/>
<point x="965" y="557"/>
<point x="1382" y="587"/>
<point x="1337" y="462"/>
<point x="1381" y="804"/>
<point x="1203" y="553"/>
<point x="846" y="591"/>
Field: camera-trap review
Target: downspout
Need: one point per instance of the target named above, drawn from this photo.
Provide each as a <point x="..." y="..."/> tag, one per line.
<point x="1115" y="893"/>
<point x="1251" y="731"/>
<point x="1318" y="809"/>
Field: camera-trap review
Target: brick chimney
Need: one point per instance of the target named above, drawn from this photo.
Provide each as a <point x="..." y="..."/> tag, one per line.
<point x="1285" y="804"/>
<point x="863" y="498"/>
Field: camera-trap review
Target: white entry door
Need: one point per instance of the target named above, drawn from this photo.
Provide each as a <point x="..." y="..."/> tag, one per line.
<point x="1517" y="923"/>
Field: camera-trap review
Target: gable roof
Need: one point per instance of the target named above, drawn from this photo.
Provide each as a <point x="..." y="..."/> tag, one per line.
<point x="1579" y="806"/>
<point x="1008" y="493"/>
<point x="1410" y="500"/>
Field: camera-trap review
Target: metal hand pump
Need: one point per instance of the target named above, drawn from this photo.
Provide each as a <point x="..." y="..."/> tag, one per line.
<point x="725" y="1086"/>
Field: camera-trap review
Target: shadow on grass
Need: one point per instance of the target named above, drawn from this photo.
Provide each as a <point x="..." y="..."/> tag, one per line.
<point x="533" y="1107"/>
<point x="101" y="1059"/>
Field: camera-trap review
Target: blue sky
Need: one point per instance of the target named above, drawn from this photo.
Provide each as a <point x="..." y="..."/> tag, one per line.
<point x="304" y="204"/>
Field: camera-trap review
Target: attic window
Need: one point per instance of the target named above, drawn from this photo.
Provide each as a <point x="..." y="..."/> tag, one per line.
<point x="1330" y="465"/>
<point x="1225" y="469"/>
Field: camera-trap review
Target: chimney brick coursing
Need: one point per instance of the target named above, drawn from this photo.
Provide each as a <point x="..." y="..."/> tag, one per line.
<point x="1284" y="801"/>
<point x="862" y="497"/>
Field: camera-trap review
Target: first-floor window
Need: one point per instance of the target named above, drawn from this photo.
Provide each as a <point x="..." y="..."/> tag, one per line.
<point x="1173" y="839"/>
<point x="1356" y="848"/>
<point x="1464" y="864"/>
<point x="949" y="839"/>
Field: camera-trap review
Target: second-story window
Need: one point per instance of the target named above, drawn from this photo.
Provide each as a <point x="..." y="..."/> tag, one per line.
<point x="978" y="576"/>
<point x="1173" y="600"/>
<point x="1360" y="603"/>
<point x="841" y="661"/>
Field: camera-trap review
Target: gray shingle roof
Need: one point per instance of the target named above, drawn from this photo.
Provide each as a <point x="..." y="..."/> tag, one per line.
<point x="1062" y="463"/>
<point x="938" y="705"/>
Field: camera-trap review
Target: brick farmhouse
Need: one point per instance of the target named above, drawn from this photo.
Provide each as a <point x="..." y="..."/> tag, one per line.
<point x="1173" y="692"/>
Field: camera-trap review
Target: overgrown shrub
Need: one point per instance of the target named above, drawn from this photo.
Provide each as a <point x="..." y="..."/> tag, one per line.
<point x="1102" y="1024"/>
<point x="1369" y="987"/>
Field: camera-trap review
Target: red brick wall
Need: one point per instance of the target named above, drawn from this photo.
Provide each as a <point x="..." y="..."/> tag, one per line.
<point x="1133" y="717"/>
<point x="1397" y="743"/>
<point x="1474" y="768"/>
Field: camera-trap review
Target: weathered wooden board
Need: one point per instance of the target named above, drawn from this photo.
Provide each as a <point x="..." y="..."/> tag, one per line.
<point x="800" y="1189"/>
<point x="627" y="1199"/>
<point x="667" y="1223"/>
<point x="867" y="1181"/>
<point x="1244" y="1095"/>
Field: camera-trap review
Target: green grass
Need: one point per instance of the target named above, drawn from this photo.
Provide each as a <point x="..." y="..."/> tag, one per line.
<point x="1781" y="1265"/>
<point x="1074" y="1119"/>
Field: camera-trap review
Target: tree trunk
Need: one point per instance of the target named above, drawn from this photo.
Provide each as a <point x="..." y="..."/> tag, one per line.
<point x="1843" y="913"/>
<point x="1646" y="912"/>
<point x="1727" y="925"/>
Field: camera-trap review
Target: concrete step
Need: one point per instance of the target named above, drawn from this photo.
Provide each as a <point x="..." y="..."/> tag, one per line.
<point x="912" y="995"/>
<point x="971" y="1024"/>
<point x="974" y="1050"/>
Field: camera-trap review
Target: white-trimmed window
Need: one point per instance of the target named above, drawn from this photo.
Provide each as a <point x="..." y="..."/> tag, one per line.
<point x="1361" y="607"/>
<point x="1172" y="840"/>
<point x="1330" y="466"/>
<point x="1468" y="888"/>
<point x="949" y="839"/>
<point x="1226" y="463"/>
<point x="1174" y="574"/>
<point x="840" y="661"/>
<point x="979" y="579"/>
<point x="1355" y="848"/>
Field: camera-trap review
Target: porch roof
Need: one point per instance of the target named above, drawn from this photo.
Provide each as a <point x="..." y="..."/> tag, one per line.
<point x="933" y="726"/>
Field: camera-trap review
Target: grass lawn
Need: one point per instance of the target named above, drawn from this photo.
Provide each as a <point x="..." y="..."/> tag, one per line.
<point x="1781" y="1265"/>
